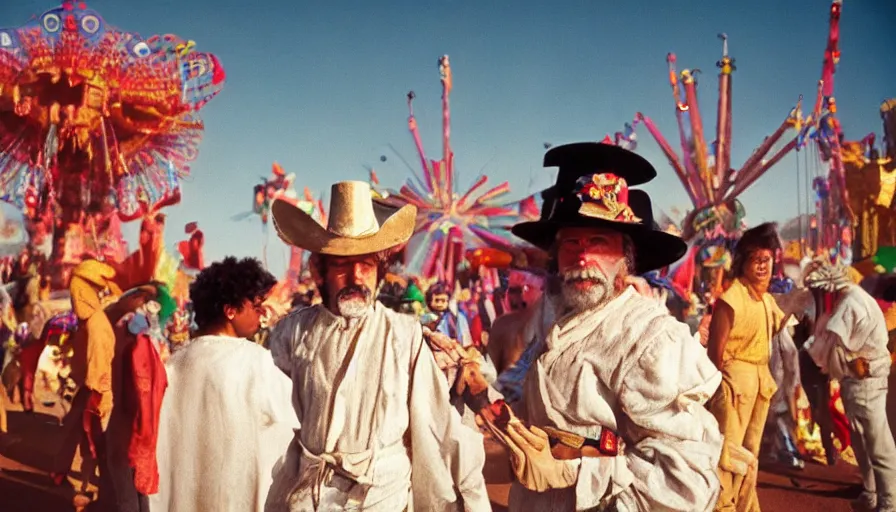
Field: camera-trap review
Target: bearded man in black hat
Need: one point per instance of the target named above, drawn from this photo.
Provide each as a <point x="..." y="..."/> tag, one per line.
<point x="614" y="361"/>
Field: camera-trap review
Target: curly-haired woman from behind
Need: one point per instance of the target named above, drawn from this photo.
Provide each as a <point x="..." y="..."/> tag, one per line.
<point x="227" y="416"/>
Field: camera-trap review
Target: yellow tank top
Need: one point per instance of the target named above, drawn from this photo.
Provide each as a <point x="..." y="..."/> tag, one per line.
<point x="755" y="322"/>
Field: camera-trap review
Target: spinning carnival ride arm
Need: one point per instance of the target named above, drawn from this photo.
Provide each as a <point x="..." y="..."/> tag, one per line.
<point x="699" y="141"/>
<point x="723" y="123"/>
<point x="693" y="194"/>
<point x="682" y="110"/>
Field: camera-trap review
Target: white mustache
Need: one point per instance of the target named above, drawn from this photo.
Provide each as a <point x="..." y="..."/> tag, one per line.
<point x="584" y="274"/>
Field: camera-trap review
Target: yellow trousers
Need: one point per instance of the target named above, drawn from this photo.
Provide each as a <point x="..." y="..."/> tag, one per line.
<point x="741" y="406"/>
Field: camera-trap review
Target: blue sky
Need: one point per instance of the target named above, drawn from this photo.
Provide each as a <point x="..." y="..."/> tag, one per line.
<point x="320" y="87"/>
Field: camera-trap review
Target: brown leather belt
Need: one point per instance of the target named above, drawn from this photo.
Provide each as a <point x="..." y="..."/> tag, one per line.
<point x="608" y="444"/>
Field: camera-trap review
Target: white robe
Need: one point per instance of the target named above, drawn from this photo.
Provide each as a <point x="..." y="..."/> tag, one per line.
<point x="378" y="432"/>
<point x="632" y="368"/>
<point x="226" y="420"/>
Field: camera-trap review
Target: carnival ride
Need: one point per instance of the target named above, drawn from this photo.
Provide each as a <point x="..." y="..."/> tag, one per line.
<point x="853" y="183"/>
<point x="705" y="171"/>
<point x="450" y="224"/>
<point x="833" y="214"/>
<point x="841" y="185"/>
<point x="712" y="184"/>
<point x="96" y="122"/>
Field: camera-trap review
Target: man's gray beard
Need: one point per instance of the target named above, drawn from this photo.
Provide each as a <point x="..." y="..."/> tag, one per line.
<point x="353" y="308"/>
<point x="353" y="301"/>
<point x="592" y="297"/>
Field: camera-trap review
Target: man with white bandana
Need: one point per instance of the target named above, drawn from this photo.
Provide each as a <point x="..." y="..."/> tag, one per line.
<point x="615" y="367"/>
<point x="850" y="344"/>
<point x="378" y="432"/>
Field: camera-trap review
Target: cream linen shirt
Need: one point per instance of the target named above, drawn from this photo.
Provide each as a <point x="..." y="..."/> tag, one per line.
<point x="378" y="432"/>
<point x="631" y="367"/>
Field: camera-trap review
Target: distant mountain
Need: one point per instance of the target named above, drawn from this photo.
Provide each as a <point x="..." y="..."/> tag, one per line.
<point x="795" y="228"/>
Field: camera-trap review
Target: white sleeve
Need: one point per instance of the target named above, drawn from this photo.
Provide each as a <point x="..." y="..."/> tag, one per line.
<point x="447" y="456"/>
<point x="277" y="394"/>
<point x="844" y="321"/>
<point x="282" y="340"/>
<point x="677" y="443"/>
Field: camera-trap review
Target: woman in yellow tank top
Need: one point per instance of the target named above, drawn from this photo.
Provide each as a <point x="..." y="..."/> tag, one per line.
<point x="744" y="320"/>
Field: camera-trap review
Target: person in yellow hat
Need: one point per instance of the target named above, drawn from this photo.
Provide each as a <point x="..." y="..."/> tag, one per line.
<point x="92" y="288"/>
<point x="378" y="432"/>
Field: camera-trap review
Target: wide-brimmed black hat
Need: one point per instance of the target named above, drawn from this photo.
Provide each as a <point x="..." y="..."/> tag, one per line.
<point x="592" y="191"/>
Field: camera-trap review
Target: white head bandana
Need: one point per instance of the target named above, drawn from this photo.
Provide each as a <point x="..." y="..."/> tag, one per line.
<point x="827" y="277"/>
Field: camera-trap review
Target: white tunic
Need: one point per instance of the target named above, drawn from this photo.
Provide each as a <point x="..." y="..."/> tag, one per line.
<point x="630" y="367"/>
<point x="785" y="367"/>
<point x="378" y="432"/>
<point x="855" y="328"/>
<point x="226" y="420"/>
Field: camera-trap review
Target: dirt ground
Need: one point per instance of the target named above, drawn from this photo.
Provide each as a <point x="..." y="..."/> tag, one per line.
<point x="781" y="489"/>
<point x="28" y="454"/>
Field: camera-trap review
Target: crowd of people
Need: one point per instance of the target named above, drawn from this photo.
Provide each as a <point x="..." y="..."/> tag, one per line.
<point x="379" y="392"/>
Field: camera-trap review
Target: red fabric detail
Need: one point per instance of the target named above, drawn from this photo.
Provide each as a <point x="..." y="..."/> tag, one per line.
<point x="144" y="387"/>
<point x="609" y="442"/>
<point x="828" y="302"/>
<point x="192" y="251"/>
<point x="476" y="330"/>
<point x="28" y="359"/>
<point x="839" y="421"/>
<point x="683" y="275"/>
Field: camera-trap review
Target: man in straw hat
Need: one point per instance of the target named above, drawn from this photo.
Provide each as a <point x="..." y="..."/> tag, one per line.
<point x="378" y="432"/>
<point x="850" y="344"/>
<point x="745" y="317"/>
<point x="614" y="360"/>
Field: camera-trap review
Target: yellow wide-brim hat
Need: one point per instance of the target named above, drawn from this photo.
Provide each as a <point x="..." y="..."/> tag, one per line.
<point x="356" y="225"/>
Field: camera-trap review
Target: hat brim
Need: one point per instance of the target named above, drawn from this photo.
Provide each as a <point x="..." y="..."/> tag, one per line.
<point x="578" y="158"/>
<point x="297" y="228"/>
<point x="653" y="249"/>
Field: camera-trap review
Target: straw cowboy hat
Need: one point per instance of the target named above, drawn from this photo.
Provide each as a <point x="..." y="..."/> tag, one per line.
<point x="356" y="224"/>
<point x="592" y="191"/>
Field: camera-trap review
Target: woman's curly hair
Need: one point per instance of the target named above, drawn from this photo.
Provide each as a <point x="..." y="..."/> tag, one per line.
<point x="229" y="282"/>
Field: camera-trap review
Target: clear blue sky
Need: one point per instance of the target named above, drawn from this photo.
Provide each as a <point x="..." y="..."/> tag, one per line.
<point x="320" y="86"/>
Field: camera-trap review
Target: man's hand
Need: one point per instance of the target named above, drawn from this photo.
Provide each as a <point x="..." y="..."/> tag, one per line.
<point x="447" y="352"/>
<point x="91" y="420"/>
<point x="530" y="456"/>
<point x="640" y="284"/>
<point x="860" y="367"/>
<point x="94" y="403"/>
